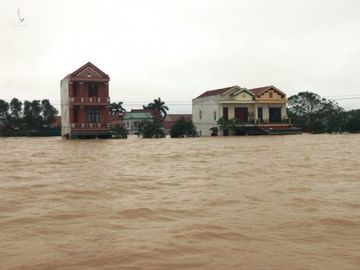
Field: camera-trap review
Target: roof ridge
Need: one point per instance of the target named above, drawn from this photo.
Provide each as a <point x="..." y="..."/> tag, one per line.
<point x="216" y="92"/>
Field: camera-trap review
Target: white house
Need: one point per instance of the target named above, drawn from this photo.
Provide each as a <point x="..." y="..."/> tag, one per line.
<point x="260" y="110"/>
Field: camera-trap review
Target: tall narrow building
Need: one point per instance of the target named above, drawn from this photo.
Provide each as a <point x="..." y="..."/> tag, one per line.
<point x="85" y="103"/>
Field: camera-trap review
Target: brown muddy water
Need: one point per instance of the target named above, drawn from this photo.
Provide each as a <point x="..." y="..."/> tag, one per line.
<point x="267" y="202"/>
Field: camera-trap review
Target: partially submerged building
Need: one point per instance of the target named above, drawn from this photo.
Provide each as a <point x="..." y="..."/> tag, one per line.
<point x="133" y="119"/>
<point x="242" y="111"/>
<point x="85" y="103"/>
<point x="171" y="119"/>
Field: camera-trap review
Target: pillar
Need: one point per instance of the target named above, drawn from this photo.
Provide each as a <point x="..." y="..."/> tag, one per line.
<point x="71" y="85"/>
<point x="82" y="115"/>
<point x="71" y="115"/>
<point x="82" y="89"/>
<point x="106" y="90"/>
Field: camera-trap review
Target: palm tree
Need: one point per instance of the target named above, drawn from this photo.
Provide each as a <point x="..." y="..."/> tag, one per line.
<point x="117" y="109"/>
<point x="159" y="106"/>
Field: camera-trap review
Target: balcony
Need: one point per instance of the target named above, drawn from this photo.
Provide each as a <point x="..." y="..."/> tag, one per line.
<point x="89" y="100"/>
<point x="90" y="126"/>
<point x="284" y="121"/>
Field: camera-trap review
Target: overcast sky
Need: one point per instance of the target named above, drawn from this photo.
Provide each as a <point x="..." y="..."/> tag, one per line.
<point x="177" y="49"/>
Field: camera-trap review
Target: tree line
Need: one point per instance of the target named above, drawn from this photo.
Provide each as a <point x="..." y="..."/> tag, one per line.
<point x="307" y="110"/>
<point x="28" y="118"/>
<point x="315" y="114"/>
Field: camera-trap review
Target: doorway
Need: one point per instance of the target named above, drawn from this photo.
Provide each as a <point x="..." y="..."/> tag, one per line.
<point x="241" y="114"/>
<point x="274" y="115"/>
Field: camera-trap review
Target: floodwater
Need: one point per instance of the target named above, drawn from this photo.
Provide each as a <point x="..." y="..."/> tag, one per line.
<point x="267" y="202"/>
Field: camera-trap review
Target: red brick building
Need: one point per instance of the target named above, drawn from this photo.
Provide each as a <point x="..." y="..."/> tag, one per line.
<point x="85" y="103"/>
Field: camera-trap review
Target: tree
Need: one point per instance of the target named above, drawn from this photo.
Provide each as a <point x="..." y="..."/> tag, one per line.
<point x="15" y="112"/>
<point x="183" y="128"/>
<point x="32" y="115"/>
<point x="48" y="112"/>
<point x="117" y="109"/>
<point x="151" y="129"/>
<point x="119" y="132"/>
<point x="4" y="110"/>
<point x="306" y="106"/>
<point x="309" y="110"/>
<point x="159" y="106"/>
<point x="4" y="116"/>
<point x="353" y="123"/>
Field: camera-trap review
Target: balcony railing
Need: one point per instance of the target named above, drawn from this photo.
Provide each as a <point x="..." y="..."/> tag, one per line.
<point x="90" y="125"/>
<point x="89" y="99"/>
<point x="267" y="121"/>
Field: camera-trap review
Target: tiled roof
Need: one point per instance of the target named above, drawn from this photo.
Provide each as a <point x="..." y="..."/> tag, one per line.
<point x="215" y="92"/>
<point x="256" y="91"/>
<point x="171" y="119"/>
<point x="259" y="90"/>
<point x="138" y="115"/>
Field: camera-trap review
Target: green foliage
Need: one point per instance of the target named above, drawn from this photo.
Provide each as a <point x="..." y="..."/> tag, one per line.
<point x="151" y="129"/>
<point x="183" y="128"/>
<point x="159" y="106"/>
<point x="4" y="108"/>
<point x="316" y="114"/>
<point x="225" y="123"/>
<point x="117" y="108"/>
<point x="29" y="119"/>
<point x="32" y="117"/>
<point x="353" y="123"/>
<point x="119" y="132"/>
<point x="48" y="112"/>
<point x="15" y="112"/>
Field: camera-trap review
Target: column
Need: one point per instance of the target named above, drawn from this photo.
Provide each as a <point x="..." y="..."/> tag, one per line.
<point x="71" y="94"/>
<point x="104" y="115"/>
<point x="82" y="116"/>
<point x="81" y="89"/>
<point x="71" y="115"/>
<point x="105" y="90"/>
<point x="256" y="116"/>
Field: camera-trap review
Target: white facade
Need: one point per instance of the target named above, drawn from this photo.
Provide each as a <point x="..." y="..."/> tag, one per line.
<point x="205" y="114"/>
<point x="264" y="107"/>
<point x="65" y="119"/>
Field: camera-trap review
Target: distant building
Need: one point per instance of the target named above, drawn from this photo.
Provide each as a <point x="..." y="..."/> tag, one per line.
<point x="133" y="119"/>
<point x="253" y="111"/>
<point x="85" y="103"/>
<point x="171" y="119"/>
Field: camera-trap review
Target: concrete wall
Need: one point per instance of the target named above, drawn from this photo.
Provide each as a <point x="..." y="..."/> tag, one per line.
<point x="65" y="118"/>
<point x="210" y="114"/>
<point x="231" y="108"/>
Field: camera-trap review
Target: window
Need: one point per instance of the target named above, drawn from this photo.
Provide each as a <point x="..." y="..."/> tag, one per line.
<point x="200" y="114"/>
<point x="93" y="117"/>
<point x="260" y="113"/>
<point x="270" y="94"/>
<point x="215" y="115"/>
<point x="75" y="116"/>
<point x="225" y="112"/>
<point x="93" y="90"/>
<point x="75" y="90"/>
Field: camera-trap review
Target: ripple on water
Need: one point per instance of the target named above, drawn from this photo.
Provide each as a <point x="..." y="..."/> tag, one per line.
<point x="275" y="202"/>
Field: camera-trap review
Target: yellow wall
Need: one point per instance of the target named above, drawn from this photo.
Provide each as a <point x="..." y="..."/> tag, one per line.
<point x="276" y="97"/>
<point x="231" y="109"/>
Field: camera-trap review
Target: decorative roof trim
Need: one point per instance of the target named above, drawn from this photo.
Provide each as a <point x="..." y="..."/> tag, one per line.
<point x="91" y="65"/>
